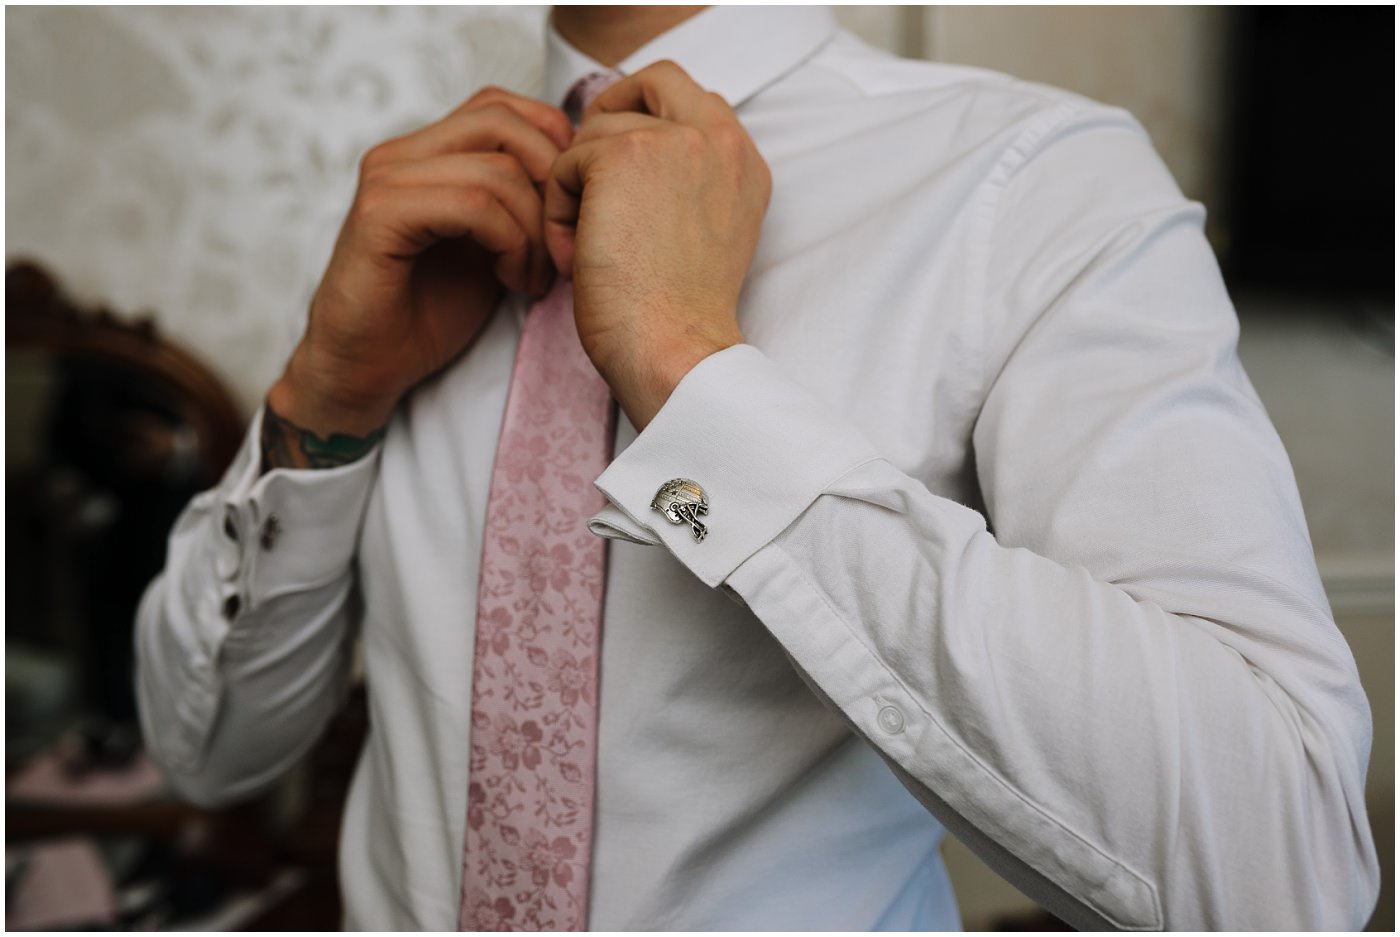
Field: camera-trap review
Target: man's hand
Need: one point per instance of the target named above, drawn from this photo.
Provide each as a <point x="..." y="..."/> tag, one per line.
<point x="655" y="210"/>
<point x="444" y="219"/>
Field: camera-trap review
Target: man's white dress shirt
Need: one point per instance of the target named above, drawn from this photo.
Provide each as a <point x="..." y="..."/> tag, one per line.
<point x="1000" y="535"/>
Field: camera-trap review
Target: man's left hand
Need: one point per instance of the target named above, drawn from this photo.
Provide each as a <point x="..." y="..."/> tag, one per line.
<point x="655" y="210"/>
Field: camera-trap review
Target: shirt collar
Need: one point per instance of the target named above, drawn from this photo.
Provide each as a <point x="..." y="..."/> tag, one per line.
<point x="735" y="51"/>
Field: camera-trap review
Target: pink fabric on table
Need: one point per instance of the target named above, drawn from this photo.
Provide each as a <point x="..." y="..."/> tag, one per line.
<point x="46" y="781"/>
<point x="65" y="884"/>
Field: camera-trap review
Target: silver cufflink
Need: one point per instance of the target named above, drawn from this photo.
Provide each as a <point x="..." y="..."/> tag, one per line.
<point x="682" y="501"/>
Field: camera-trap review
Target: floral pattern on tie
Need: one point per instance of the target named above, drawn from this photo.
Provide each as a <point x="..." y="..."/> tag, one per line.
<point x="534" y="691"/>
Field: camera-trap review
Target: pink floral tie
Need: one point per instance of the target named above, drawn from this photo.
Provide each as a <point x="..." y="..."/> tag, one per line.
<point x="534" y="717"/>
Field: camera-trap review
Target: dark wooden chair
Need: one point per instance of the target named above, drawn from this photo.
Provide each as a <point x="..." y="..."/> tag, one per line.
<point x="115" y="428"/>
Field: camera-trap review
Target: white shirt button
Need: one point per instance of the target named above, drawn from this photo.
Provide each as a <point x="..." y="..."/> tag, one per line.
<point x="272" y="528"/>
<point x="228" y="549"/>
<point x="891" y="720"/>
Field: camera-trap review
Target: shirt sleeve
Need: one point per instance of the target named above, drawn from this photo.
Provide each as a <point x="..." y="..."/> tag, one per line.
<point x="243" y="642"/>
<point x="1122" y="685"/>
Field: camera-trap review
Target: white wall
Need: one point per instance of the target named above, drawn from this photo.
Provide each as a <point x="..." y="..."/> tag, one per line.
<point x="196" y="161"/>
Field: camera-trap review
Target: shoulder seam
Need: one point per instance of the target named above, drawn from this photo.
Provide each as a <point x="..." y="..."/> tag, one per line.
<point x="988" y="201"/>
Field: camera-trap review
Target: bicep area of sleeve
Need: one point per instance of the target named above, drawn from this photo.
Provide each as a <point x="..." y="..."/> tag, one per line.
<point x="1114" y="388"/>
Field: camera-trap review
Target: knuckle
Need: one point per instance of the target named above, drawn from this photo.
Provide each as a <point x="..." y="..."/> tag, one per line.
<point x="687" y="135"/>
<point x="369" y="207"/>
<point x="488" y="93"/>
<point x="376" y="158"/>
<point x="486" y="112"/>
<point x="502" y="163"/>
<point x="737" y="146"/>
<point x="694" y="139"/>
<point x="470" y="200"/>
<point x="634" y="144"/>
<point x="513" y="172"/>
<point x="495" y="110"/>
<point x="764" y="180"/>
<point x="727" y="135"/>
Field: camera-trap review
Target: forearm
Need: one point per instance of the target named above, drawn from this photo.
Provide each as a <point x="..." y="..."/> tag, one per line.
<point x="1141" y="749"/>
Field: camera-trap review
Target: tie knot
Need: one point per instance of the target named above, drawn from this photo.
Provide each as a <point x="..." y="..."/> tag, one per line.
<point x="585" y="90"/>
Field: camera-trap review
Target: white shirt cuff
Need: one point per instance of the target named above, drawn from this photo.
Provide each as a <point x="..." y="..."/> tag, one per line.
<point x="289" y="530"/>
<point x="760" y="446"/>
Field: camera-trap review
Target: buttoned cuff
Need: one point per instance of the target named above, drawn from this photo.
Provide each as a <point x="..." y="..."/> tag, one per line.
<point x="760" y="446"/>
<point x="287" y="530"/>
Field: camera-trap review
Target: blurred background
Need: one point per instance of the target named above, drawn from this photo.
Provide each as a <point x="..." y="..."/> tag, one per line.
<point x="175" y="177"/>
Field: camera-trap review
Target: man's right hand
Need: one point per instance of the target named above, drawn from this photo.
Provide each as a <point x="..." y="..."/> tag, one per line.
<point x="443" y="220"/>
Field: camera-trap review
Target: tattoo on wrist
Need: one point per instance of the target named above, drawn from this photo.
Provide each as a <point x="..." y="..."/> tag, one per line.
<point x="287" y="445"/>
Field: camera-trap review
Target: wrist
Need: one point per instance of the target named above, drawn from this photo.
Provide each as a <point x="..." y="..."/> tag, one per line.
<point x="315" y="396"/>
<point x="308" y="422"/>
<point x="662" y="370"/>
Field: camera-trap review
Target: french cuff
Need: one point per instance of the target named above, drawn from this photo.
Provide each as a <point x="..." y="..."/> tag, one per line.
<point x="288" y="530"/>
<point x="759" y="446"/>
